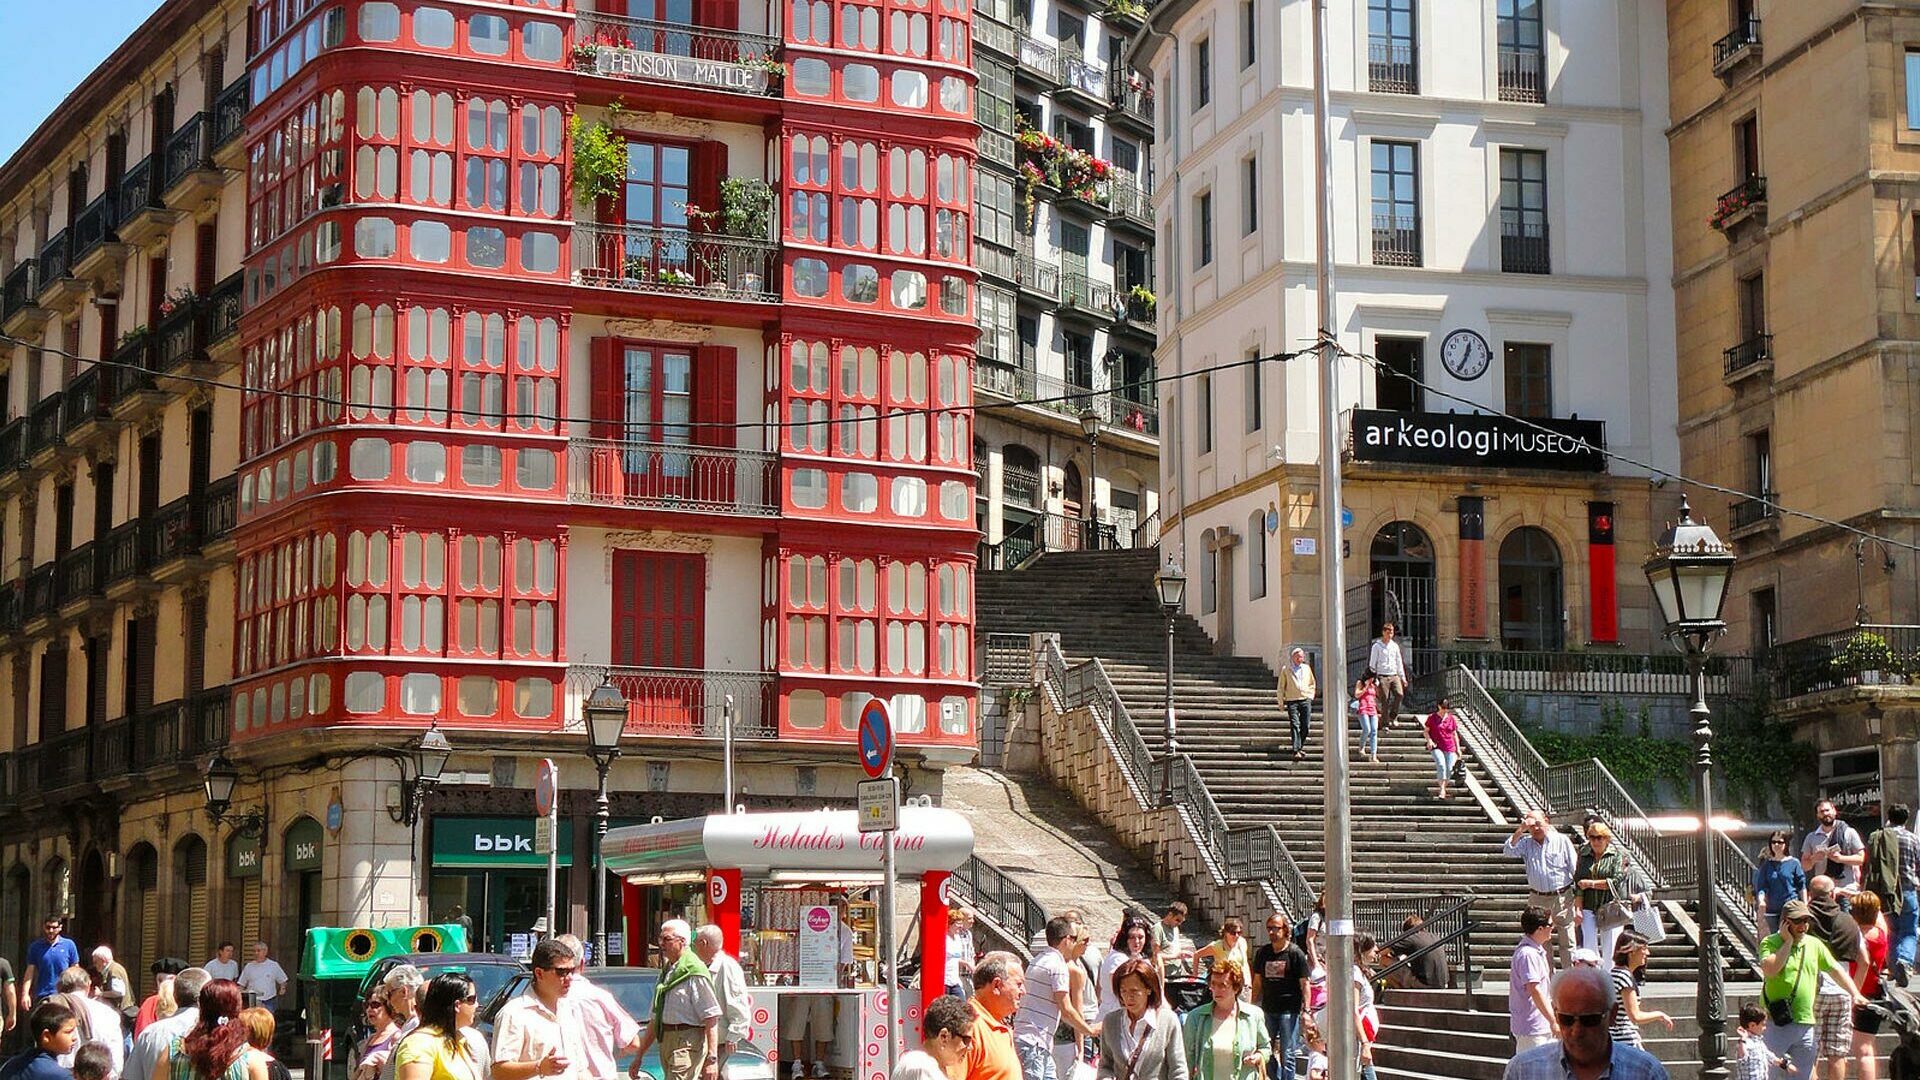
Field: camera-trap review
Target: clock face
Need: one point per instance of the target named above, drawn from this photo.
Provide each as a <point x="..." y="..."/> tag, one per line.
<point x="1465" y="354"/>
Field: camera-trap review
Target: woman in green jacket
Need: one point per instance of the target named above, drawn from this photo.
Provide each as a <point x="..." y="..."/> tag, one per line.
<point x="1601" y="877"/>
<point x="1228" y="1040"/>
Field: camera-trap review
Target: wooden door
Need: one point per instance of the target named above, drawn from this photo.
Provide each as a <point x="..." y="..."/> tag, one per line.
<point x="659" y="630"/>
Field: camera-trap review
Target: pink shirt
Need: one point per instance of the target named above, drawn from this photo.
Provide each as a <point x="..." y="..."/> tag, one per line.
<point x="608" y="1028"/>
<point x="1443" y="729"/>
<point x="1369" y="699"/>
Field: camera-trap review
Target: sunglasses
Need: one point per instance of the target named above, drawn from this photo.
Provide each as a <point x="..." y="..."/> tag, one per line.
<point x="564" y="972"/>
<point x="1587" y="1020"/>
<point x="474" y="999"/>
<point x="1799" y="922"/>
<point x="964" y="1038"/>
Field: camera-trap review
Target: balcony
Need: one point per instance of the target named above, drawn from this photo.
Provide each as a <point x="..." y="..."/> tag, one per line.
<point x="649" y="259"/>
<point x="1392" y="67"/>
<point x="673" y="477"/>
<point x="77" y="580"/>
<point x="59" y="289"/>
<point x="1737" y="46"/>
<point x="1753" y="356"/>
<point x="1745" y="515"/>
<point x="179" y="338"/>
<point x="63" y="764"/>
<point x="1039" y="62"/>
<point x="1866" y="655"/>
<point x="1523" y="243"/>
<point x="230" y="123"/>
<point x="127" y="386"/>
<point x="175" y="733"/>
<point x="1523" y="75"/>
<point x="1083" y="296"/>
<point x="993" y="34"/>
<point x="142" y="216"/>
<point x="681" y="703"/>
<point x="1132" y="101"/>
<point x="13" y="448"/>
<point x="1746" y="201"/>
<point x="1396" y="240"/>
<point x="189" y="180"/>
<point x="112" y="751"/>
<point x="98" y="255"/>
<point x="1089" y="81"/>
<point x="173" y="539"/>
<point x="46" y="427"/>
<point x="1023" y="384"/>
<point x="677" y="54"/>
<point x="992" y="261"/>
<point x="224" y="308"/>
<point x="1137" y="307"/>
<point x="20" y="310"/>
<point x="1129" y="201"/>
<point x="218" y="509"/>
<point x="1036" y="277"/>
<point x="125" y="559"/>
<point x="1003" y="380"/>
<point x="42" y="594"/>
<point x="83" y="408"/>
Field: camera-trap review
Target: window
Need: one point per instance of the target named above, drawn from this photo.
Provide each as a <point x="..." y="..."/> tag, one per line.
<point x="1746" y="148"/>
<point x="1392" y="56"/>
<point x="1402" y="356"/>
<point x="1760" y="461"/>
<point x="1523" y="212"/>
<point x="1203" y="230"/>
<point x="1204" y="402"/>
<point x="1257" y="555"/>
<point x="379" y="21"/>
<point x="1249" y="196"/>
<point x="1396" y="204"/>
<point x="429" y="241"/>
<point x="1913" y="89"/>
<point x="1766" y="618"/>
<point x="541" y="41"/>
<point x="487" y="35"/>
<point x="1255" y="394"/>
<point x="1249" y="42"/>
<point x="433" y="28"/>
<point x="1529" y="380"/>
<point x="1202" y="74"/>
<point x="1209" y="575"/>
<point x="1522" y="58"/>
<point x="1753" y="308"/>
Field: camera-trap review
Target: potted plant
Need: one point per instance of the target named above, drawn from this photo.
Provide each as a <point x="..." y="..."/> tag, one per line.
<point x="675" y="278"/>
<point x="1140" y="301"/>
<point x="1865" y="658"/>
<point x="746" y="209"/>
<point x="775" y="71"/>
<point x="174" y="300"/>
<point x="599" y="158"/>
<point x="585" y="55"/>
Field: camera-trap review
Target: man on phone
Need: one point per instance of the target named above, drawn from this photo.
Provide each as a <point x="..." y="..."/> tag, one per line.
<point x="1791" y="964"/>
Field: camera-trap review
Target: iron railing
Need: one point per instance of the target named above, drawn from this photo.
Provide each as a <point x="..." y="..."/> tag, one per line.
<point x="1001" y="901"/>
<point x="1089" y="79"/>
<point x="1080" y="292"/>
<point x="1129" y="199"/>
<point x="127" y="552"/>
<point x="1592" y="672"/>
<point x="1870" y="654"/>
<point x="13" y="444"/>
<point x="1739" y="200"/>
<point x="690" y="51"/>
<point x="1735" y="43"/>
<point x="1396" y="240"/>
<point x="1446" y="919"/>
<point x="1040" y="58"/>
<point x="45" y="427"/>
<point x="64" y="760"/>
<point x="1392" y="67"/>
<point x="1523" y="243"/>
<point x="218" y="508"/>
<point x="132" y="371"/>
<point x="173" y="531"/>
<point x="647" y="258"/>
<point x="137" y="193"/>
<point x="686" y="702"/>
<point x="1742" y="513"/>
<point x="112" y="747"/>
<point x="224" y="307"/>
<point x="1132" y="97"/>
<point x="83" y="402"/>
<point x="21" y="289"/>
<point x="1523" y="74"/>
<point x="1756" y="349"/>
<point x="56" y="261"/>
<point x="1035" y="276"/>
<point x="187" y="150"/>
<point x="179" y="336"/>
<point x="42" y="591"/>
<point x="230" y="112"/>
<point x="1006" y="660"/>
<point x="78" y="574"/>
<point x="673" y="476"/>
<point x="93" y="227"/>
<point x="207" y="721"/>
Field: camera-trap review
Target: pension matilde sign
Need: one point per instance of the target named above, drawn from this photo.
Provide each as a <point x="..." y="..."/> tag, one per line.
<point x="1478" y="440"/>
<point x="662" y="67"/>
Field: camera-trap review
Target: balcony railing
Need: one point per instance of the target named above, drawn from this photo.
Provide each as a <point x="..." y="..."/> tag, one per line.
<point x="230" y="112"/>
<point x="224" y="308"/>
<point x="685" y="703"/>
<point x="126" y="554"/>
<point x="1757" y="349"/>
<point x="137" y="190"/>
<point x="112" y="748"/>
<point x="1036" y="276"/>
<point x="83" y="403"/>
<point x="1396" y="240"/>
<point x="55" y="261"/>
<point x="64" y="760"/>
<point x="13" y="444"/>
<point x="672" y="476"/>
<point x="78" y="574"/>
<point x="157" y="732"/>
<point x="180" y="335"/>
<point x="1040" y="58"/>
<point x="21" y="289"/>
<point x="134" y="363"/>
<point x="645" y="258"/>
<point x="1523" y="75"/>
<point x="217" y="509"/>
<point x="1078" y="291"/>
<point x="680" y="54"/>
<point x="1742" y="513"/>
<point x="1866" y="655"/>
<point x="45" y="429"/>
<point x="43" y="591"/>
<point x="1114" y="407"/>
<point x="1733" y="47"/>
<point x="94" y="226"/>
<point x="1132" y="97"/>
<point x="1589" y="672"/>
<point x="173" y="531"/>
<point x="1523" y="244"/>
<point x="1392" y="67"/>
<point x="187" y="150"/>
<point x="207" y="722"/>
<point x="1130" y="199"/>
<point x="1089" y="79"/>
<point x="1739" y="202"/>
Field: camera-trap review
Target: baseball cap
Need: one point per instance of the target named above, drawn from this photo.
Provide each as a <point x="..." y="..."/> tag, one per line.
<point x="1587" y="957"/>
<point x="1796" y="909"/>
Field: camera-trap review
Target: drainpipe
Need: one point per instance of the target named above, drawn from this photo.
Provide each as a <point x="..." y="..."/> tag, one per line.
<point x="1172" y="420"/>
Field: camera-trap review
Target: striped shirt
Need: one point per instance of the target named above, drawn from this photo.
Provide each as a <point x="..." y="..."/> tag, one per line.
<point x="1623" y="1029"/>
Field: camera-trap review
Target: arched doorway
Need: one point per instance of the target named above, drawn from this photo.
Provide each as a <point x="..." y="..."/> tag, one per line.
<point x="1531" y="612"/>
<point x="1073" y="507"/>
<point x="93" y="926"/>
<point x="15" y="912"/>
<point x="188" y="902"/>
<point x="1401" y="562"/>
<point x="140" y="944"/>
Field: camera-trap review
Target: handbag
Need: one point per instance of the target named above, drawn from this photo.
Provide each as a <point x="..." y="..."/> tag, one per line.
<point x="1616" y="912"/>
<point x="1781" y="1012"/>
<point x="1646" y="922"/>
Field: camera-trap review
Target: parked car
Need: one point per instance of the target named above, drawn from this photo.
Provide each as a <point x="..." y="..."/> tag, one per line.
<point x="633" y="987"/>
<point x="489" y="971"/>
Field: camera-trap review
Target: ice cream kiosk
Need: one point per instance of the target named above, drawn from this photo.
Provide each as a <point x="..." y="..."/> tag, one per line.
<point x="797" y="897"/>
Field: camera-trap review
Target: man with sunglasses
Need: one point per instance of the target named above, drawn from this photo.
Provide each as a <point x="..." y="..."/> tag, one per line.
<point x="1582" y="1005"/>
<point x="538" y="1034"/>
<point x="948" y="1032"/>
<point x="1792" y="964"/>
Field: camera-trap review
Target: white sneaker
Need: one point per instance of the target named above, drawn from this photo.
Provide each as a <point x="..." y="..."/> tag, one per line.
<point x="820" y="1070"/>
<point x="797" y="1071"/>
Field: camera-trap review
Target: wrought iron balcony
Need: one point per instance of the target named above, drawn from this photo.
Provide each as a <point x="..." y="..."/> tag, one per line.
<point x="644" y="258"/>
<point x="1129" y="199"/>
<point x="112" y="748"/>
<point x="224" y="308"/>
<point x="127" y="553"/>
<point x="13" y="444"/>
<point x="679" y="54"/>
<point x="83" y="403"/>
<point x="43" y="590"/>
<point x="64" y="763"/>
<point x="1523" y="74"/>
<point x="21" y="289"/>
<point x="93" y="228"/>
<point x="157" y="732"/>
<point x="218" y="509"/>
<point x="1003" y="380"/>
<point x="173" y="531"/>
<point x="132" y="370"/>
<point x="187" y="150"/>
<point x="1039" y="58"/>
<point x="1396" y="240"/>
<point x="1755" y="350"/>
<point x="1081" y="77"/>
<point x="1035" y="276"/>
<point x="1132" y="97"/>
<point x="1745" y="513"/>
<point x="206" y="722"/>
<point x="1744" y="200"/>
<point x="673" y="476"/>
<point x="179" y="337"/>
<point x="78" y="574"/>
<point x="1866" y="655"/>
<point x="1392" y="67"/>
<point x="1738" y="44"/>
<point x="684" y="703"/>
<point x="230" y="112"/>
<point x="46" y="426"/>
<point x="1080" y="292"/>
<point x="56" y="263"/>
<point x="1523" y="244"/>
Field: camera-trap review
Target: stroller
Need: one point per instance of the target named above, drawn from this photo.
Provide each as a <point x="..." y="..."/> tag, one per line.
<point x="1902" y="1008"/>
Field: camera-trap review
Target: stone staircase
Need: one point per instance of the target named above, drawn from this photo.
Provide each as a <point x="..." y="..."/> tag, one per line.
<point x="1101" y="604"/>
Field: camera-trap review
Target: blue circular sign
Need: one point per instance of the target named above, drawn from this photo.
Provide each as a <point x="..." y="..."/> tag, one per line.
<point x="876" y="738"/>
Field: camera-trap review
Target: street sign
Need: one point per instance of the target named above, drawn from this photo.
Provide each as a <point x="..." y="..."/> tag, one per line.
<point x="544" y="784"/>
<point x="543" y="836"/>
<point x="879" y="802"/>
<point x="1346" y="518"/>
<point x="876" y="739"/>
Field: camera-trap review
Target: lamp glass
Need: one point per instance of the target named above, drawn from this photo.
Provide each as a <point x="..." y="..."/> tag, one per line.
<point x="432" y="754"/>
<point x="606" y="715"/>
<point x="1090" y="423"/>
<point x="1172" y="585"/>
<point x="1702" y="588"/>
<point x="221" y="779"/>
<point x="1660" y="576"/>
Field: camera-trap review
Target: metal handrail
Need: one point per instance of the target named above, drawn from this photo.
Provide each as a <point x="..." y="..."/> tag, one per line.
<point x="1002" y="902"/>
<point x="1434" y="922"/>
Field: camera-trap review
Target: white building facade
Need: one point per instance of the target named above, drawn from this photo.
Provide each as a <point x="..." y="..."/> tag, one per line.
<point x="1500" y="228"/>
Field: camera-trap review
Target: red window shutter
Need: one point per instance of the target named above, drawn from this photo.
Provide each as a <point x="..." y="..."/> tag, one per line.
<point x="715" y="394"/>
<point x="609" y="387"/>
<point x="709" y="168"/>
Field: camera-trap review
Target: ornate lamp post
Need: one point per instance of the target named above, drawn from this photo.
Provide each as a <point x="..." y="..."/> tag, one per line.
<point x="1171" y="584"/>
<point x="1090" y="427"/>
<point x="606" y="713"/>
<point x="1688" y="571"/>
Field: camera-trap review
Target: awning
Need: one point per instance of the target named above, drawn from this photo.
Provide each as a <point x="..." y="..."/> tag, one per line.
<point x="929" y="838"/>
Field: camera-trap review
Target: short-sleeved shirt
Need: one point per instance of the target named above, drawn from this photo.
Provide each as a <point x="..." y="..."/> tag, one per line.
<point x="48" y="960"/>
<point x="1799" y="981"/>
<point x="1039" y="1014"/>
<point x="263" y="978"/>
<point x="959" y="954"/>
<point x="1842" y="836"/>
<point x="606" y="1025"/>
<point x="1281" y="972"/>
<point x="1529" y="966"/>
<point x="1170" y="943"/>
<point x="1622" y="1029"/>
<point x="1444" y="730"/>
<point x="223" y="969"/>
<point x="526" y="1030"/>
<point x="991" y="1055"/>
<point x="464" y="1062"/>
<point x="1876" y="959"/>
<point x="691" y="1001"/>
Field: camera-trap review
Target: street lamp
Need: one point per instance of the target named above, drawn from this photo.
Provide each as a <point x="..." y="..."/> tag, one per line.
<point x="1688" y="571"/>
<point x="1090" y="427"/>
<point x="219" y="782"/>
<point x="606" y="713"/>
<point x="419" y="772"/>
<point x="1171" y="584"/>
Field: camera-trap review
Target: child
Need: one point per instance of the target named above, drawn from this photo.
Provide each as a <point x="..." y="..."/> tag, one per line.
<point x="93" y="1062"/>
<point x="55" y="1031"/>
<point x="1316" y="1053"/>
<point x="1366" y="701"/>
<point x="1751" y="1057"/>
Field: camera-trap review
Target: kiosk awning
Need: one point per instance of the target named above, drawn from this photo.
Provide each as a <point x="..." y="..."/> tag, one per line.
<point x="827" y="841"/>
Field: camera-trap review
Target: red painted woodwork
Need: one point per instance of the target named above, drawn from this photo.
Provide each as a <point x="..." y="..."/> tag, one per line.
<point x="659" y="621"/>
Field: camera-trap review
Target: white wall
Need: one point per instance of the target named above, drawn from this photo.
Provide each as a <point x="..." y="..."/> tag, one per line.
<point x="732" y="596"/>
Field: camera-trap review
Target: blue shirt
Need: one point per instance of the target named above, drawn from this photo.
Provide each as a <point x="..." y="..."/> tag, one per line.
<point x="1548" y="1062"/>
<point x="36" y="1064"/>
<point x="1779" y="880"/>
<point x="48" y="961"/>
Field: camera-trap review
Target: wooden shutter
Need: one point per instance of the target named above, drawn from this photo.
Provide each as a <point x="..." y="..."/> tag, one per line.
<point x="609" y="387"/>
<point x="193" y="876"/>
<point x="719" y="15"/>
<point x="143" y="644"/>
<point x="626" y="606"/>
<point x="98" y="649"/>
<point x="715" y="394"/>
<point x="709" y="168"/>
<point x="53" y="691"/>
<point x="206" y="242"/>
<point x="196" y="645"/>
<point x="250" y="909"/>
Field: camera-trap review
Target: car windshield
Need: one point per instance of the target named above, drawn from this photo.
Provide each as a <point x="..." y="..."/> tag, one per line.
<point x="487" y="978"/>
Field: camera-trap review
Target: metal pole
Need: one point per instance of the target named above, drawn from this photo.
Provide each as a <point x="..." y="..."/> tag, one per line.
<point x="1342" y="1034"/>
<point x="1093" y="492"/>
<point x="1168" y="731"/>
<point x="553" y="864"/>
<point x="726" y="755"/>
<point x="1708" y="1005"/>
<point x="892" y="1011"/>
<point x="601" y="813"/>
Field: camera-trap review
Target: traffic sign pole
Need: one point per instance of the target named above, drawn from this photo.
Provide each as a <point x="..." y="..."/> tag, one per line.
<point x="547" y="805"/>
<point x="876" y="757"/>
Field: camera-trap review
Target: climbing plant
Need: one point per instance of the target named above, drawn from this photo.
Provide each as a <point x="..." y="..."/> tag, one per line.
<point x="599" y="157"/>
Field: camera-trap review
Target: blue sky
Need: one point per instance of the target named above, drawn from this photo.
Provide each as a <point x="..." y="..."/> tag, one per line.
<point x="47" y="48"/>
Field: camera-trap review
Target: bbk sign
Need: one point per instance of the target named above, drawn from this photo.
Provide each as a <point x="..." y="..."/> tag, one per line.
<point x="503" y="844"/>
<point x="481" y="842"/>
<point x="685" y="70"/>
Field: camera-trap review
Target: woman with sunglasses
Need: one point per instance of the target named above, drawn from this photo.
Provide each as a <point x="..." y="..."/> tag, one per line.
<point x="1140" y="1040"/>
<point x="1600" y="876"/>
<point x="444" y="1046"/>
<point x="1133" y="942"/>
<point x="1777" y="878"/>
<point x="948" y="1035"/>
<point x="1068" y="1045"/>
<point x="1629" y="968"/>
<point x="1231" y="949"/>
<point x="371" y="1054"/>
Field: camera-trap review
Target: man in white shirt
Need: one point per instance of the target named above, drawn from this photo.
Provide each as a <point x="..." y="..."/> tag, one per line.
<point x="1046" y="1002"/>
<point x="540" y="1033"/>
<point x="1388" y="661"/>
<point x="264" y="978"/>
<point x="1550" y="860"/>
<point x="102" y="1020"/>
<point x="1834" y="849"/>
<point x="729" y="985"/>
<point x="224" y="965"/>
<point x="813" y="1014"/>
<point x="609" y="1029"/>
<point x="150" y="1049"/>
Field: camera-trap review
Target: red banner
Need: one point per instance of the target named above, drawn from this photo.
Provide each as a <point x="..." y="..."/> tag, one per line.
<point x="1473" y="586"/>
<point x="1603" y="604"/>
